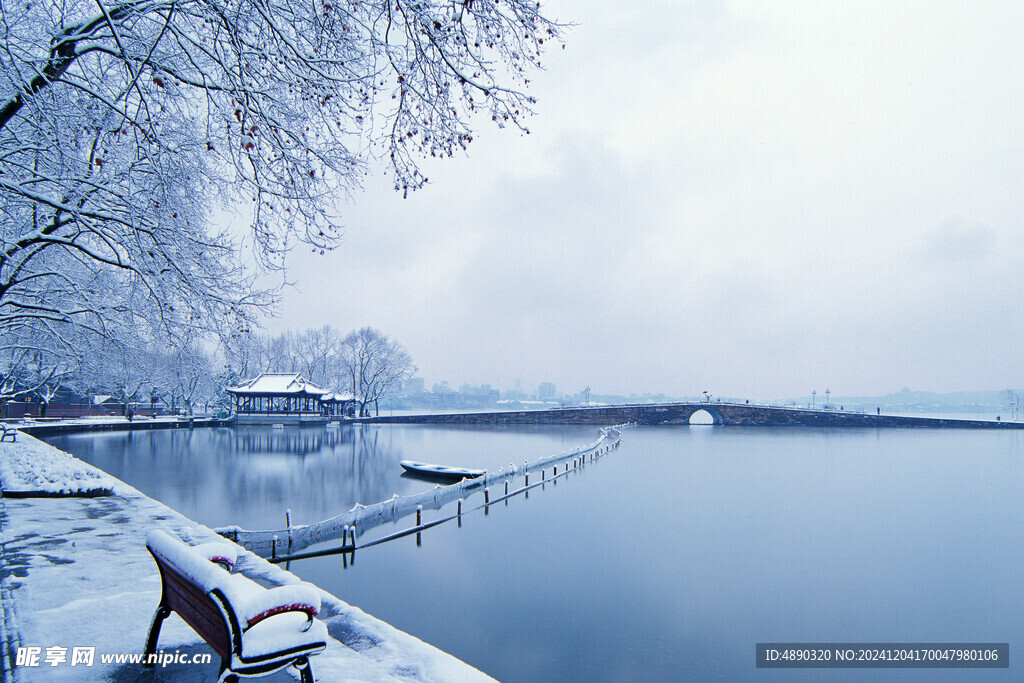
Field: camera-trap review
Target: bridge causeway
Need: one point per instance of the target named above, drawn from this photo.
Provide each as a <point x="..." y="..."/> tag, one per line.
<point x="733" y="414"/>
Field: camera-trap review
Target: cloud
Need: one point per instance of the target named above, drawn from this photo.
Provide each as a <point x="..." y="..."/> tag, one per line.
<point x="751" y="198"/>
<point x="957" y="243"/>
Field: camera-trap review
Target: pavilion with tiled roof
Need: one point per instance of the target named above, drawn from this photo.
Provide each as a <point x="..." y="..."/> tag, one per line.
<point x="285" y="398"/>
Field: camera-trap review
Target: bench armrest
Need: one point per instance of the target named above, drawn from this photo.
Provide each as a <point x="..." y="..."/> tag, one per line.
<point x="296" y="597"/>
<point x="224" y="554"/>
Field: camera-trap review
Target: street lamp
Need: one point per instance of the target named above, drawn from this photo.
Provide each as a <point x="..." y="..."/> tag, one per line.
<point x="828" y="402"/>
<point x="814" y="394"/>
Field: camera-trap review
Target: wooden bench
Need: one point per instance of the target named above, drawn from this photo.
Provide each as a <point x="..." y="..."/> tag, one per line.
<point x="8" y="432"/>
<point x="255" y="630"/>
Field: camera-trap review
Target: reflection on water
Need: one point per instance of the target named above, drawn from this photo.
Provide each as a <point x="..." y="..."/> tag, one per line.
<point x="248" y="475"/>
<point x="299" y="441"/>
<point x="668" y="559"/>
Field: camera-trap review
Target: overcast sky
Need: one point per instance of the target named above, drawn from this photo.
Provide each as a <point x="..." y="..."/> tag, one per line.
<point x="756" y="199"/>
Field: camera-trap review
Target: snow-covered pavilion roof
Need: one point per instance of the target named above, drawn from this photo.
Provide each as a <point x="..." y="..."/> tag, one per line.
<point x="278" y="384"/>
<point x="339" y="397"/>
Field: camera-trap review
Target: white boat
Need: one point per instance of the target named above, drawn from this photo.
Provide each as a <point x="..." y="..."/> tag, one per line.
<point x="440" y="471"/>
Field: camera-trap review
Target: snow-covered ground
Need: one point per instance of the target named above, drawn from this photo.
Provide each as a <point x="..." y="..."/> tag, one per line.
<point x="30" y="465"/>
<point x="76" y="574"/>
<point x="97" y="420"/>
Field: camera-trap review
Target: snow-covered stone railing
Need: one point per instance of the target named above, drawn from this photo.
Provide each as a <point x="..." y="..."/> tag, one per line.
<point x="361" y="518"/>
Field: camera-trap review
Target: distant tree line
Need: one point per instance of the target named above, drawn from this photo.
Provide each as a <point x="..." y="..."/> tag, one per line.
<point x="135" y="368"/>
<point x="128" y="367"/>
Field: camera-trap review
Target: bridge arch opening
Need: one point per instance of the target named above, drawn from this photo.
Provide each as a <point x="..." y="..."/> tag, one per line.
<point x="703" y="417"/>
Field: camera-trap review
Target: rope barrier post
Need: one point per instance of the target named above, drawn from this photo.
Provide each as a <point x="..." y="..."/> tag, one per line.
<point x="288" y="524"/>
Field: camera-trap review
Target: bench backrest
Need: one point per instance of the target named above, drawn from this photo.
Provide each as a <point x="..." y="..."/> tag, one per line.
<point x="195" y="606"/>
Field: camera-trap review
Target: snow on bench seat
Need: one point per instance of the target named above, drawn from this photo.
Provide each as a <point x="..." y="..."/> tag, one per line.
<point x="255" y="630"/>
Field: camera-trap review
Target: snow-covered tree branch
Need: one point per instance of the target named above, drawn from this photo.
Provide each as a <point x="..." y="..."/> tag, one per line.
<point x="124" y="125"/>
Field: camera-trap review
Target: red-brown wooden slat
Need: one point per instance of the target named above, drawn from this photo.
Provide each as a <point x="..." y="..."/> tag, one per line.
<point x="197" y="609"/>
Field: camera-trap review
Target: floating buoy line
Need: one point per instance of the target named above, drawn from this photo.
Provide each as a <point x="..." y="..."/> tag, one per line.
<point x="285" y="545"/>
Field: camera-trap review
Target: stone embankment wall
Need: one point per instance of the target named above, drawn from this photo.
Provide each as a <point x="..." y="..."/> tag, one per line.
<point x="47" y="428"/>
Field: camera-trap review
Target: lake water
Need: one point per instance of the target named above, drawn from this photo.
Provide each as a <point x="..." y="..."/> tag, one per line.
<point x="667" y="559"/>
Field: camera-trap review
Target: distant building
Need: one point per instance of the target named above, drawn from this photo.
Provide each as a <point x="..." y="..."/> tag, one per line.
<point x="546" y="391"/>
<point x="415" y="385"/>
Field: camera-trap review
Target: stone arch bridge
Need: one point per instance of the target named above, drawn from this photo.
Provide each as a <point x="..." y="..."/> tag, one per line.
<point x="738" y="414"/>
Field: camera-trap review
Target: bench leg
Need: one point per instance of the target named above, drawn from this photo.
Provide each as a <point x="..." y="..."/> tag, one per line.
<point x="302" y="664"/>
<point x="162" y="612"/>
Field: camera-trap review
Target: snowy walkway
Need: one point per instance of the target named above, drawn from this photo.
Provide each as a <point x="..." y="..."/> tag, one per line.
<point x="75" y="573"/>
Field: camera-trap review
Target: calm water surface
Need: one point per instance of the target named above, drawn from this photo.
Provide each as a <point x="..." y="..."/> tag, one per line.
<point x="666" y="560"/>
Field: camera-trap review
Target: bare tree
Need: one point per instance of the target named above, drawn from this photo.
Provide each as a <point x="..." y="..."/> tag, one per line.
<point x="124" y="123"/>
<point x="239" y="351"/>
<point x="373" y="366"/>
<point x="1014" y="400"/>
<point x="38" y="365"/>
<point x="122" y="367"/>
<point x="187" y="373"/>
<point x="252" y="353"/>
<point x="315" y="350"/>
<point x="308" y="353"/>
